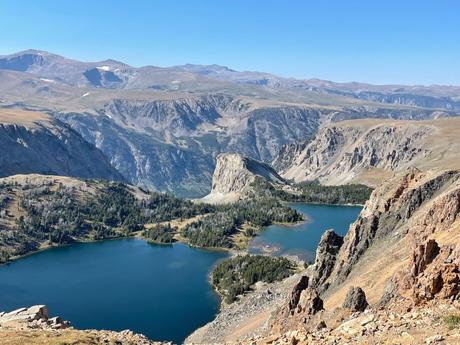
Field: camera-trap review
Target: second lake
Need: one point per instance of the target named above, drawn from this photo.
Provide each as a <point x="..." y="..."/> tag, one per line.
<point x="303" y="238"/>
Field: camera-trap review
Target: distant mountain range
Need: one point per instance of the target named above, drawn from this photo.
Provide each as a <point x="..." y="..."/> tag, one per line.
<point x="162" y="128"/>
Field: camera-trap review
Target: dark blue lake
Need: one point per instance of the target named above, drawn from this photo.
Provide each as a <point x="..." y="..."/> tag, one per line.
<point x="302" y="239"/>
<point x="160" y="291"/>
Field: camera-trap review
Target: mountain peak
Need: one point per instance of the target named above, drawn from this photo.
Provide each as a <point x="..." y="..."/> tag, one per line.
<point x="36" y="52"/>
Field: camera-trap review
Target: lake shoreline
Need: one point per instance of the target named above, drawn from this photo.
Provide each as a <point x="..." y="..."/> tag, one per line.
<point x="180" y="239"/>
<point x="220" y="304"/>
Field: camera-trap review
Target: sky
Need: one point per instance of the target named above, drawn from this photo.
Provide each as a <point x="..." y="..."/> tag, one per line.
<point x="376" y="41"/>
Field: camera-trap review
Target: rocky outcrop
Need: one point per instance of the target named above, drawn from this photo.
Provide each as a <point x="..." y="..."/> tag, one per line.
<point x="423" y="256"/>
<point x="310" y="303"/>
<point x="393" y="213"/>
<point x="368" y="151"/>
<point x="33" y="326"/>
<point x="355" y="299"/>
<point x="433" y="273"/>
<point x="326" y="253"/>
<point x="31" y="143"/>
<point x="407" y="211"/>
<point x="234" y="176"/>
<point x="294" y="296"/>
<point x="35" y="317"/>
<point x="303" y="299"/>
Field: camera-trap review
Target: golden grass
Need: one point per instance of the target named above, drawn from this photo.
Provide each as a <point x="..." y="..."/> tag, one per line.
<point x="17" y="116"/>
<point x="48" y="337"/>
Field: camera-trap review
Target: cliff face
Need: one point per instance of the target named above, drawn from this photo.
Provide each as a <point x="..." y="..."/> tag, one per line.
<point x="32" y="142"/>
<point x="163" y="127"/>
<point x="171" y="145"/>
<point x="401" y="254"/>
<point x="234" y="175"/>
<point x="400" y="216"/>
<point x="368" y="151"/>
<point x="391" y="279"/>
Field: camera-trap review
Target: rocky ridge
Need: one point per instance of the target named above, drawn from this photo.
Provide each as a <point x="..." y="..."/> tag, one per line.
<point x="368" y="151"/>
<point x="162" y="128"/>
<point x="33" y="142"/>
<point x="117" y="75"/>
<point x="394" y="278"/>
<point x="171" y="144"/>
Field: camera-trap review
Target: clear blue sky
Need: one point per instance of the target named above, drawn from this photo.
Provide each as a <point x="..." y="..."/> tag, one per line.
<point x="378" y="41"/>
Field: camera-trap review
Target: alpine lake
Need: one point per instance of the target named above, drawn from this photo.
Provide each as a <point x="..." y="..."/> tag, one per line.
<point x="162" y="291"/>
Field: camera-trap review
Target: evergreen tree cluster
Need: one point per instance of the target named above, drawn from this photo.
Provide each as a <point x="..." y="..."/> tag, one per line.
<point x="62" y="214"/>
<point x="235" y="276"/>
<point x="216" y="229"/>
<point x="160" y="233"/>
<point x="313" y="192"/>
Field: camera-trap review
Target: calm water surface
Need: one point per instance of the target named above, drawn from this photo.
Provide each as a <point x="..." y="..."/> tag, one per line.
<point x="160" y="291"/>
<point x="302" y="239"/>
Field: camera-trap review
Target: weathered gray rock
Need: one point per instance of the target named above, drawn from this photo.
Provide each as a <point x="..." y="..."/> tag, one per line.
<point x="341" y="153"/>
<point x="234" y="175"/>
<point x="49" y="146"/>
<point x="35" y="312"/>
<point x="355" y="299"/>
<point x="35" y="316"/>
<point x="326" y="253"/>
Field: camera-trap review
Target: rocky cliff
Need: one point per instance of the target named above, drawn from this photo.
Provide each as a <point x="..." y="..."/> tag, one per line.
<point x="394" y="278"/>
<point x="402" y="252"/>
<point x="32" y="142"/>
<point x="171" y="144"/>
<point x="368" y="151"/>
<point x="234" y="175"/>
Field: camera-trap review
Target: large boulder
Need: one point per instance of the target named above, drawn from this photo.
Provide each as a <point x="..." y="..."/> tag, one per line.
<point x="355" y="299"/>
<point x="310" y="303"/>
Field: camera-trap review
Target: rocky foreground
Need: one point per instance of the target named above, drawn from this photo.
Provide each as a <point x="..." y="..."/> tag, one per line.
<point x="33" y="326"/>
<point x="393" y="279"/>
<point x="418" y="325"/>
